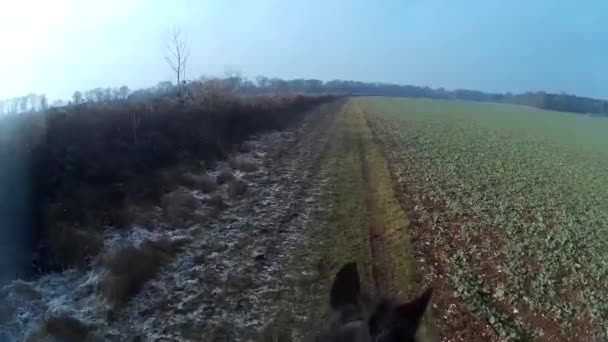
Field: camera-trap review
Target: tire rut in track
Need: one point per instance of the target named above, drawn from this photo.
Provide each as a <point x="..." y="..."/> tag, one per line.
<point x="380" y="264"/>
<point x="385" y="227"/>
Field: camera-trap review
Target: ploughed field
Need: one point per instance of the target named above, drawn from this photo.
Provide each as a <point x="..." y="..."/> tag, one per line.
<point x="507" y="211"/>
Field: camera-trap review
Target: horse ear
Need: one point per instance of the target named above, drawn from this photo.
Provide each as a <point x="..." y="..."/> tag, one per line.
<point x="346" y="288"/>
<point x="411" y="313"/>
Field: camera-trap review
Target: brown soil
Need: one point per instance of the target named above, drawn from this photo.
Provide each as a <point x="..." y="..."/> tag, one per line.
<point x="453" y="318"/>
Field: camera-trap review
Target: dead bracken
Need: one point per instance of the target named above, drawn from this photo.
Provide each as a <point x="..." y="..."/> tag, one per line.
<point x="244" y="164"/>
<point x="180" y="205"/>
<point x="237" y="188"/>
<point x="128" y="269"/>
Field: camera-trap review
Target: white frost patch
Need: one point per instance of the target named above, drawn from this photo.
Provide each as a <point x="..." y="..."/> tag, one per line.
<point x="25" y="304"/>
<point x="117" y="239"/>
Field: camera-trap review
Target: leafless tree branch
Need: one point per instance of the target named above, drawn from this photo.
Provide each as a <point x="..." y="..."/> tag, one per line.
<point x="177" y="56"/>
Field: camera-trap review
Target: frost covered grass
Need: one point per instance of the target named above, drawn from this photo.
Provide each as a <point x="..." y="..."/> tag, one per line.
<point x="129" y="268"/>
<point x="54" y="304"/>
<point x="522" y="199"/>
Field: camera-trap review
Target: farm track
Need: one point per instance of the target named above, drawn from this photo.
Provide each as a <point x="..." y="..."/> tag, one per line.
<point x="380" y="267"/>
<point x="370" y="226"/>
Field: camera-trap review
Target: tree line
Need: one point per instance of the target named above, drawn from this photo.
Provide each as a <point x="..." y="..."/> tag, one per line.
<point x="39" y="102"/>
<point x="100" y="95"/>
<point x="28" y="103"/>
<point x="234" y="83"/>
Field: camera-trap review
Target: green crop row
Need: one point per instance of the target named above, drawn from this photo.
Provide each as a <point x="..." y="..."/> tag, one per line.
<point x="527" y="185"/>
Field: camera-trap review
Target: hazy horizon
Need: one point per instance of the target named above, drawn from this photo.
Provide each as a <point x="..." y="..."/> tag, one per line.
<point x="59" y="47"/>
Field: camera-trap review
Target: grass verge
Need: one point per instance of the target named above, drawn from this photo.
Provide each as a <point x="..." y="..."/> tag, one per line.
<point x="356" y="191"/>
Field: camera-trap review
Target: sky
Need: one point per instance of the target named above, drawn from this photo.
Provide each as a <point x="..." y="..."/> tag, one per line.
<point x="57" y="47"/>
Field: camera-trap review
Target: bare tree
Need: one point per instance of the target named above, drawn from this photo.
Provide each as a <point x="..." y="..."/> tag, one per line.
<point x="164" y="87"/>
<point x="124" y="92"/>
<point x="14" y="108"/>
<point x="99" y="94"/>
<point x="23" y="104"/>
<point x="107" y="94"/>
<point x="44" y="104"/>
<point x="58" y="103"/>
<point x="262" y="81"/>
<point x="89" y="96"/>
<point x="177" y="57"/>
<point x="33" y="101"/>
<point x="77" y="98"/>
<point x="233" y="78"/>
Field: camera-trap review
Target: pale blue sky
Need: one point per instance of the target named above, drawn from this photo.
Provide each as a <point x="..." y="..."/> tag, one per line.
<point x="56" y="47"/>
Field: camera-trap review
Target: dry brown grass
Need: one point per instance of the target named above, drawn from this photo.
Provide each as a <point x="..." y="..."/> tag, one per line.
<point x="72" y="246"/>
<point x="128" y="269"/>
<point x="205" y="182"/>
<point x="243" y="164"/>
<point x="180" y="206"/>
<point x="142" y="214"/>
<point x="216" y="202"/>
<point x="237" y="188"/>
<point x="274" y="332"/>
<point x="247" y="146"/>
<point x="224" y="176"/>
<point x="237" y="283"/>
<point x="66" y="329"/>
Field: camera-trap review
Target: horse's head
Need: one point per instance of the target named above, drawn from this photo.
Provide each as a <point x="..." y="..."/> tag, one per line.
<point x="357" y="318"/>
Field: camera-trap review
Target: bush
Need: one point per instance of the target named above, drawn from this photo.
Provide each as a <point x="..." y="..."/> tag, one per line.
<point x="180" y="206"/>
<point x="216" y="202"/>
<point x="142" y="215"/>
<point x="243" y="164"/>
<point x="224" y="176"/>
<point x="205" y="182"/>
<point x="128" y="269"/>
<point x="247" y="146"/>
<point x="237" y="188"/>
<point x="74" y="247"/>
<point x="66" y="328"/>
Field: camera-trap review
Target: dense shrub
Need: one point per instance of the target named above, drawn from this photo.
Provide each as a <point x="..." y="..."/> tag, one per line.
<point x="128" y="269"/>
<point x="237" y="188"/>
<point x="204" y="182"/>
<point x="180" y="206"/>
<point x="66" y="328"/>
<point x="224" y="176"/>
<point x="243" y="164"/>
<point x="94" y="160"/>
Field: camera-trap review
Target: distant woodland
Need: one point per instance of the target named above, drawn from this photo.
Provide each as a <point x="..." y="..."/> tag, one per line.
<point x="234" y="83"/>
